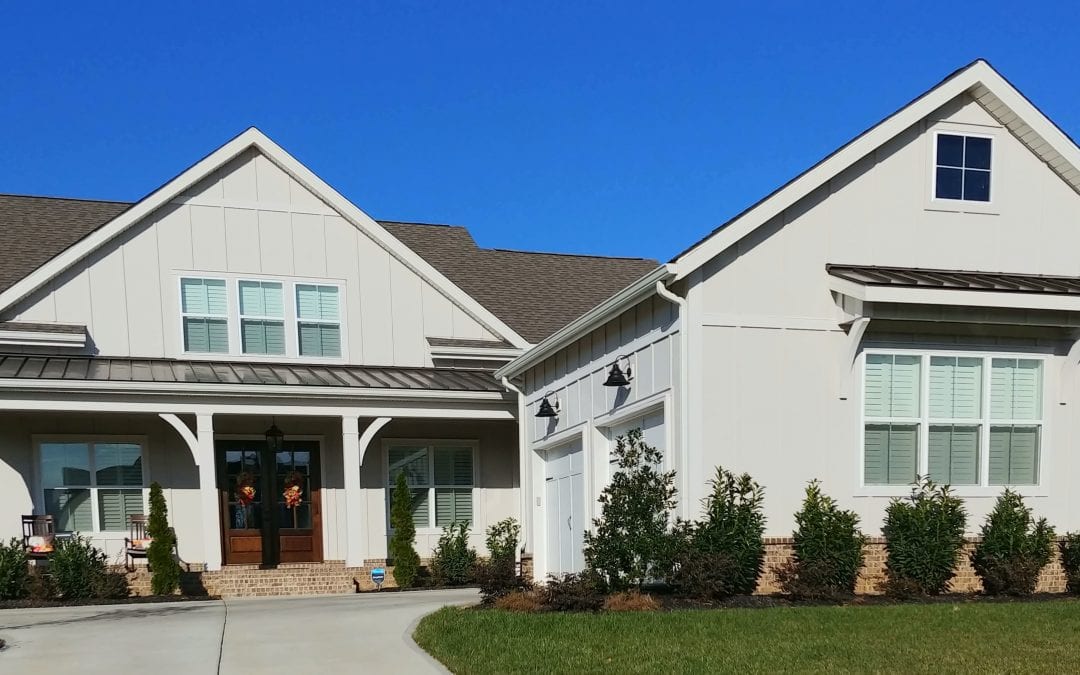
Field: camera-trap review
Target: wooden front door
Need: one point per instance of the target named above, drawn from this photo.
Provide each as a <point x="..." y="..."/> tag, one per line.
<point x="270" y="502"/>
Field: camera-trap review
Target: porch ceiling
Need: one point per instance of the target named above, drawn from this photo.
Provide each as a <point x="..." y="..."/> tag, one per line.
<point x="167" y="371"/>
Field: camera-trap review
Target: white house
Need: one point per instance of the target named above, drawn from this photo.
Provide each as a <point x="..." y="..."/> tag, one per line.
<point x="909" y="306"/>
<point x="160" y="340"/>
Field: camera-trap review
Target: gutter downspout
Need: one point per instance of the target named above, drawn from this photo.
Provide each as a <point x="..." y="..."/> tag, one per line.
<point x="684" y="389"/>
<point x="524" y="477"/>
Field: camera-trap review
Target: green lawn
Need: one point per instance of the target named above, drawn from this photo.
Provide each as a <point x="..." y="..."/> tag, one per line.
<point x="964" y="637"/>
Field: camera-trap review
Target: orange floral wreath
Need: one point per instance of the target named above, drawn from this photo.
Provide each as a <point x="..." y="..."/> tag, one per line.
<point x="245" y="488"/>
<point x="293" y="494"/>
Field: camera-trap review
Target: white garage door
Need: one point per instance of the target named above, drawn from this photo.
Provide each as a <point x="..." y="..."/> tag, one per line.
<point x="653" y="433"/>
<point x="564" y="505"/>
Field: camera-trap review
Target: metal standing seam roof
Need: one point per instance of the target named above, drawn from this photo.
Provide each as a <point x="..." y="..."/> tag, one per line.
<point x="913" y="277"/>
<point x="104" y="369"/>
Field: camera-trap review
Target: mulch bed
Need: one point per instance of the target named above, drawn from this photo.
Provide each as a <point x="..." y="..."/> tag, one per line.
<point x="27" y="603"/>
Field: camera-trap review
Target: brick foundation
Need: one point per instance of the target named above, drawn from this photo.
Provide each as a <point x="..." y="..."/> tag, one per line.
<point x="779" y="551"/>
<point x="235" y="581"/>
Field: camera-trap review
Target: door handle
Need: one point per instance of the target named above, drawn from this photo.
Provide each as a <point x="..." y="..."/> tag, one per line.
<point x="568" y="525"/>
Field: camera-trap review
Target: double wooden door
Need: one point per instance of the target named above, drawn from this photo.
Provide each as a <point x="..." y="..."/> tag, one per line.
<point x="271" y="508"/>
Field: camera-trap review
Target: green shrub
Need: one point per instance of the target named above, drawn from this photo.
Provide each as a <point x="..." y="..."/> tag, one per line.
<point x="112" y="586"/>
<point x="1014" y="548"/>
<point x="630" y="538"/>
<point x="403" y="556"/>
<point x="77" y="568"/>
<point x="828" y="550"/>
<point x="453" y="561"/>
<point x="1070" y="561"/>
<point x="497" y="576"/>
<point x="724" y="554"/>
<point x="502" y="540"/>
<point x="924" y="534"/>
<point x="14" y="571"/>
<point x="164" y="568"/>
<point x="582" y="592"/>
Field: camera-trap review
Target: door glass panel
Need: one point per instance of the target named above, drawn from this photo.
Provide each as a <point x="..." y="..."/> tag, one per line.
<point x="243" y="473"/>
<point x="293" y="489"/>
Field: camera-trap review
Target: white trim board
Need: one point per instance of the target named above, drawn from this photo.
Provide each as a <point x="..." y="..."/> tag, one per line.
<point x="253" y="138"/>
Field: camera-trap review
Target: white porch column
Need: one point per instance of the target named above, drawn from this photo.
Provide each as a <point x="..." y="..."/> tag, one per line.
<point x="208" y="492"/>
<point x="354" y="512"/>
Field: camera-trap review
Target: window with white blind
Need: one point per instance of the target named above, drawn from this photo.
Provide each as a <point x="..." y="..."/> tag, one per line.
<point x="440" y="476"/>
<point x="961" y="419"/>
<point x="204" y="304"/>
<point x="262" y="317"/>
<point x="91" y="485"/>
<point x="318" y="322"/>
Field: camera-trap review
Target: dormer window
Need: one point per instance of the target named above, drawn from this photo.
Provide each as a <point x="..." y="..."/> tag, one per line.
<point x="962" y="167"/>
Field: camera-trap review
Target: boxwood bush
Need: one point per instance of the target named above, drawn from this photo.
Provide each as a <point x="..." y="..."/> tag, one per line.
<point x="79" y="571"/>
<point x="1014" y="548"/>
<point x="828" y="550"/>
<point x="924" y="534"/>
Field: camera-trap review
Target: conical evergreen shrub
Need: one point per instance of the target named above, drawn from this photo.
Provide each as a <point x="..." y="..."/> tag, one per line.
<point x="164" y="568"/>
<point x="403" y="556"/>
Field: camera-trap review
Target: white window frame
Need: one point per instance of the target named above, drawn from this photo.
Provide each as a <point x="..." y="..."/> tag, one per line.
<point x="432" y="445"/>
<point x="191" y="315"/>
<point x="322" y="322"/>
<point x="232" y="288"/>
<point x="90" y="440"/>
<point x="935" y="203"/>
<point x="241" y="317"/>
<point x="983" y="488"/>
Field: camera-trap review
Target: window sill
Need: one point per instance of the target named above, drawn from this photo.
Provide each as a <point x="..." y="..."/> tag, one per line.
<point x="960" y="206"/>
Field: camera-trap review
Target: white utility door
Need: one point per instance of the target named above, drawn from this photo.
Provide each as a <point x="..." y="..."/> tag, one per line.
<point x="564" y="506"/>
<point x="653" y="432"/>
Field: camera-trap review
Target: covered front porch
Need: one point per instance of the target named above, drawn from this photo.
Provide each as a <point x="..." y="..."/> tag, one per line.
<point x="311" y="491"/>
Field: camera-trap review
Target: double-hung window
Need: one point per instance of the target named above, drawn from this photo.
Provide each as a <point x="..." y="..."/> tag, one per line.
<point x="204" y="304"/>
<point x="243" y="316"/>
<point x="318" y="320"/>
<point x="262" y="317"/>
<point x="440" y="477"/>
<point x="965" y="420"/>
<point x="962" y="167"/>
<point x="91" y="486"/>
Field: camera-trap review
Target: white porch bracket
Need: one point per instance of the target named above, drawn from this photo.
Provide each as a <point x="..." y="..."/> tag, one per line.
<point x="855" y="332"/>
<point x="1066" y="366"/>
<point x="354" y="445"/>
<point x="201" y="445"/>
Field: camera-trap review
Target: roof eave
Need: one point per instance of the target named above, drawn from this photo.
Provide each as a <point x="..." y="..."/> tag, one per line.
<point x="603" y="312"/>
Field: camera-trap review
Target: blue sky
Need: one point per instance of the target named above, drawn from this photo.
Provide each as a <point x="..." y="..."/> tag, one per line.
<point x="615" y="128"/>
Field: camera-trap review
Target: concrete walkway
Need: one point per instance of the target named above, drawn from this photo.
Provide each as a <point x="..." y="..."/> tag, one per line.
<point x="344" y="633"/>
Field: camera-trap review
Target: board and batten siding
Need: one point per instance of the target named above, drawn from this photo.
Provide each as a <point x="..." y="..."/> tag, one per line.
<point x="766" y="350"/>
<point x="248" y="217"/>
<point x="592" y="414"/>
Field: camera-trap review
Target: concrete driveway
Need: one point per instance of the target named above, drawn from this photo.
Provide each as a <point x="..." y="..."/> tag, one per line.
<point x="367" y="633"/>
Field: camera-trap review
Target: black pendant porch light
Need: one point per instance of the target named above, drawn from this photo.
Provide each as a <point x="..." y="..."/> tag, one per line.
<point x="617" y="378"/>
<point x="275" y="437"/>
<point x="546" y="409"/>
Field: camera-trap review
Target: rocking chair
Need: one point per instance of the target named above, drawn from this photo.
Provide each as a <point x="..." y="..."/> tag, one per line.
<point x="39" y="536"/>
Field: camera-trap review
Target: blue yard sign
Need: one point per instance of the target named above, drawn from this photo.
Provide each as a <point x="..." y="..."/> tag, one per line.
<point x="378" y="575"/>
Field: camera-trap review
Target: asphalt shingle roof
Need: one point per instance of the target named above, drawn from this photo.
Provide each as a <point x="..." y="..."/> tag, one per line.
<point x="536" y="294"/>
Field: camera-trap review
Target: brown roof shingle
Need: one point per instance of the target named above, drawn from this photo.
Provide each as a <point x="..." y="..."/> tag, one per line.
<point x="536" y="294"/>
<point x="35" y="229"/>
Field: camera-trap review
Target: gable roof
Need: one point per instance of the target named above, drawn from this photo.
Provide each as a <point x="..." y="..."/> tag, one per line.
<point x="534" y="293"/>
<point x="979" y="79"/>
<point x="252" y="138"/>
